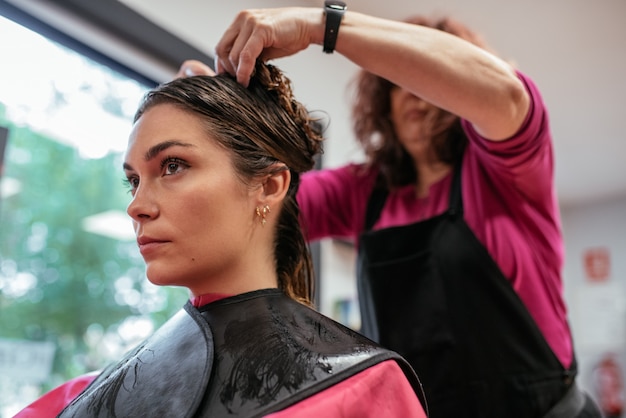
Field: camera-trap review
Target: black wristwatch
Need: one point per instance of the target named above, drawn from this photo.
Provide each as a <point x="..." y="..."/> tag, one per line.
<point x="334" y="11"/>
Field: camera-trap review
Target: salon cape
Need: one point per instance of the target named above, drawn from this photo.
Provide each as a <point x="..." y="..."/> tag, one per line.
<point x="380" y="390"/>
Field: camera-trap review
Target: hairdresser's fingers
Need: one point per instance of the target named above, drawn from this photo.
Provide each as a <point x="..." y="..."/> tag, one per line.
<point x="225" y="60"/>
<point x="246" y="48"/>
<point x="242" y="43"/>
<point x="222" y="50"/>
<point x="265" y="33"/>
<point x="193" y="67"/>
<point x="287" y="31"/>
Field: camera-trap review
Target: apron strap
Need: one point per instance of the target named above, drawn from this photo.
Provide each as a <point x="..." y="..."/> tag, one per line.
<point x="455" y="206"/>
<point x="375" y="206"/>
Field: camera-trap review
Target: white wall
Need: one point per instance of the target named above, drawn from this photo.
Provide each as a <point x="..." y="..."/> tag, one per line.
<point x="597" y="308"/>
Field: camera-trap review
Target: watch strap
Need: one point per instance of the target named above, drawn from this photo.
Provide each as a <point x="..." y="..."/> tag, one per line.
<point x="334" y="11"/>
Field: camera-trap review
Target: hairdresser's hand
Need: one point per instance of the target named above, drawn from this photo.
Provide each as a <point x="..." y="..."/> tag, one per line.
<point x="193" y="67"/>
<point x="268" y="34"/>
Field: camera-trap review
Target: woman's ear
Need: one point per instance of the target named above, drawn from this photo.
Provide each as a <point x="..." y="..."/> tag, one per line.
<point x="275" y="186"/>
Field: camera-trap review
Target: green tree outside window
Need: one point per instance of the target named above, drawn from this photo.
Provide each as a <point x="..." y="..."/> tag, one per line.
<point x="71" y="286"/>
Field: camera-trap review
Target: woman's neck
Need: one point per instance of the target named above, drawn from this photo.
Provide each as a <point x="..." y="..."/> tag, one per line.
<point x="429" y="172"/>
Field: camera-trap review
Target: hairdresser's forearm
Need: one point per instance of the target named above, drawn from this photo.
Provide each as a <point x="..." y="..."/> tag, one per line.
<point x="438" y="67"/>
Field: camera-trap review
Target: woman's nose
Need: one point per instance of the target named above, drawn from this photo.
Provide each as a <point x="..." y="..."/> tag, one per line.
<point x="142" y="206"/>
<point x="422" y="104"/>
<point x="407" y="95"/>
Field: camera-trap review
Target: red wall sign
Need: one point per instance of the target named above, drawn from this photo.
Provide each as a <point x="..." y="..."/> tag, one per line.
<point x="597" y="263"/>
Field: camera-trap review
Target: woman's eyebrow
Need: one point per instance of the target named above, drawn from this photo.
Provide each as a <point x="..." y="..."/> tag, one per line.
<point x="157" y="149"/>
<point x="162" y="146"/>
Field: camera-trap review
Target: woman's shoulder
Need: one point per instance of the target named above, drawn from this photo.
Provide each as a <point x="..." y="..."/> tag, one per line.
<point x="53" y="402"/>
<point x="381" y="390"/>
<point x="349" y="183"/>
<point x="341" y="192"/>
<point x="347" y="173"/>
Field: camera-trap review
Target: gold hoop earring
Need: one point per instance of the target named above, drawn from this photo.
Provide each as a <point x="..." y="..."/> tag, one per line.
<point x="262" y="213"/>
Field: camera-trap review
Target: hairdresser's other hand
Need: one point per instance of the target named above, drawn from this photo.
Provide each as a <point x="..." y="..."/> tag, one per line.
<point x="193" y="67"/>
<point x="268" y="34"/>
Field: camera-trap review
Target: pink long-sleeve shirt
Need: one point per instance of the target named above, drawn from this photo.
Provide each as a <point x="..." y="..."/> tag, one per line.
<point x="509" y="203"/>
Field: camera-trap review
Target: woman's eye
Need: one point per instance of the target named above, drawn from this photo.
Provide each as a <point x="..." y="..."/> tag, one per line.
<point x="131" y="183"/>
<point x="173" y="166"/>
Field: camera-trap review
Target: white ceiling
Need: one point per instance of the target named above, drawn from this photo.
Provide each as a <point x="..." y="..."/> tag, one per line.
<point x="575" y="50"/>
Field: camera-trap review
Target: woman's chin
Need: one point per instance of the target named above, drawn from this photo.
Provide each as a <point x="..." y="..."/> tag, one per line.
<point x="161" y="279"/>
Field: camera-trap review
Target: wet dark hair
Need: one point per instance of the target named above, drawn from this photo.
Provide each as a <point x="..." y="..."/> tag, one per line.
<point x="261" y="125"/>
<point x="374" y="129"/>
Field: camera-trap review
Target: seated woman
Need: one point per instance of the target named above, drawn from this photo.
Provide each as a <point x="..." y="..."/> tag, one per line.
<point x="213" y="170"/>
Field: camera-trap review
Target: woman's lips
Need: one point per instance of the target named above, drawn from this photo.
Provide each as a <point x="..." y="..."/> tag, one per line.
<point x="148" y="245"/>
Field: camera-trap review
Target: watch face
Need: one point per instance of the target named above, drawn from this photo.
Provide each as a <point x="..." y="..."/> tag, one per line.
<point x="337" y="5"/>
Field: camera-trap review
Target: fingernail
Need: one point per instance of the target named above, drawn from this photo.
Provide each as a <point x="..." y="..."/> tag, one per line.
<point x="189" y="72"/>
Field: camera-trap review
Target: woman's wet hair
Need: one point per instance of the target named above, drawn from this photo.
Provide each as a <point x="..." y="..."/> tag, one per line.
<point x="266" y="129"/>
<point x="371" y="113"/>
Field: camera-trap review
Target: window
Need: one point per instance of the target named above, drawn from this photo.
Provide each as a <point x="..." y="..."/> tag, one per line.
<point x="73" y="294"/>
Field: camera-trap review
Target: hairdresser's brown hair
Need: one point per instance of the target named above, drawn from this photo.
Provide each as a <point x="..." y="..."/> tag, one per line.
<point x="260" y="125"/>
<point x="374" y="129"/>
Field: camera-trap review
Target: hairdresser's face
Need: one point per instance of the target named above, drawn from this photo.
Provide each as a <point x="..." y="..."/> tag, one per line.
<point x="409" y="114"/>
<point x="192" y="215"/>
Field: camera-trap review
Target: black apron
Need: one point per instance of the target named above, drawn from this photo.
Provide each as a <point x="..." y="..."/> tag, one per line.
<point x="431" y="292"/>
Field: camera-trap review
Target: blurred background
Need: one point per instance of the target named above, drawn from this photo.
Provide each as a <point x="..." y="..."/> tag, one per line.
<point x="73" y="294"/>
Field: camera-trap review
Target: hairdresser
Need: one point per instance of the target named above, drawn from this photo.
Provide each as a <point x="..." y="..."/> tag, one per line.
<point x="454" y="212"/>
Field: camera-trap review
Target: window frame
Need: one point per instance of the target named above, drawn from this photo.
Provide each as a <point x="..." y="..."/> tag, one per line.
<point x="108" y="32"/>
